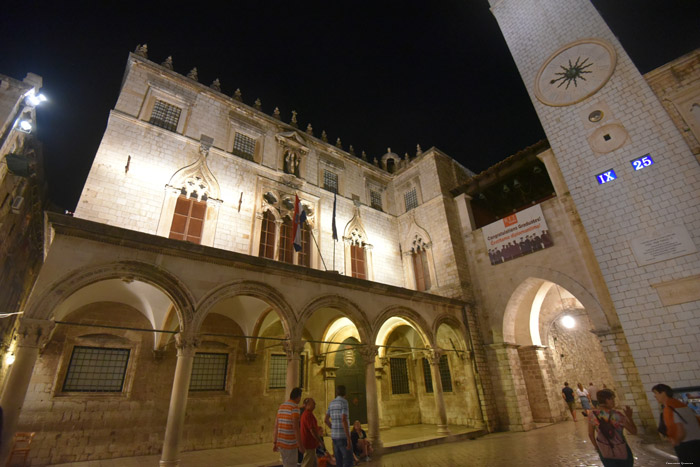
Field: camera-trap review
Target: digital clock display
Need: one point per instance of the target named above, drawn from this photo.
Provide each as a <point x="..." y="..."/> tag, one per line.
<point x="605" y="177"/>
<point x="642" y="162"/>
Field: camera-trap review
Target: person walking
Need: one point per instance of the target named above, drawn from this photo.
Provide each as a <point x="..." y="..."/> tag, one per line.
<point x="309" y="434"/>
<point x="592" y="394"/>
<point x="568" y="395"/>
<point x="682" y="426"/>
<point x="287" y="440"/>
<point x="605" y="430"/>
<point x="583" y="396"/>
<point x="337" y="420"/>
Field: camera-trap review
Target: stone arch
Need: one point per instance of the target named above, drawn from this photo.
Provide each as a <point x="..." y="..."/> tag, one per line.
<point x="344" y="305"/>
<point x="533" y="276"/>
<point x="43" y="305"/>
<point x="258" y="290"/>
<point x="448" y="320"/>
<point x="412" y="317"/>
<point x="417" y="241"/>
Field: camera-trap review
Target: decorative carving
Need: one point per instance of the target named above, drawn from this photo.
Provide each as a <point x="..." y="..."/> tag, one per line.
<point x="309" y="130"/>
<point x="292" y="348"/>
<point x="258" y="104"/>
<point x="216" y="85"/>
<point x="324" y="136"/>
<point x="351" y="150"/>
<point x="237" y="94"/>
<point x="276" y="113"/>
<point x="142" y="50"/>
<point x="368" y="352"/>
<point x="294" y="122"/>
<point x="419" y="151"/>
<point x="193" y="74"/>
<point x="186" y="345"/>
<point x="168" y="63"/>
<point x="34" y="332"/>
<point x="434" y="356"/>
<point x="196" y="178"/>
<point x="338" y="144"/>
<point x="291" y="163"/>
<point x="364" y="156"/>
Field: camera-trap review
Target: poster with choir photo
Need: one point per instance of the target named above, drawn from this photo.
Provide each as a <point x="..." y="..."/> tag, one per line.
<point x="517" y="235"/>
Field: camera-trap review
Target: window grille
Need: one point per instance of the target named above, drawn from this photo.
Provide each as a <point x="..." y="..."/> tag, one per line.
<point x="278" y="371"/>
<point x="96" y="369"/>
<point x="277" y="376"/>
<point x="410" y="199"/>
<point x="165" y="115"/>
<point x="330" y="181"/>
<point x="267" y="236"/>
<point x="209" y="372"/>
<point x="421" y="270"/>
<point x="375" y="199"/>
<point x="357" y="262"/>
<point x="445" y="375"/>
<point x="427" y="376"/>
<point x="399" y="376"/>
<point x="188" y="219"/>
<point x="244" y="146"/>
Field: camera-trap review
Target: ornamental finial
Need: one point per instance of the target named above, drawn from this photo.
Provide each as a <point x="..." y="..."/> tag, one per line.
<point x="237" y="94"/>
<point x="216" y="85"/>
<point x="142" y="50"/>
<point x="168" y="63"/>
<point x="294" y="122"/>
<point x="338" y="144"/>
<point x="324" y="136"/>
<point x="276" y="113"/>
<point x="258" y="104"/>
<point x="193" y="74"/>
<point x="309" y="129"/>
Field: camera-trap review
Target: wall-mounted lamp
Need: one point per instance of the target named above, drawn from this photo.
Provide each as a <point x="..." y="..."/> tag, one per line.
<point x="35" y="99"/>
<point x="25" y="126"/>
<point x="568" y="322"/>
<point x="10" y="358"/>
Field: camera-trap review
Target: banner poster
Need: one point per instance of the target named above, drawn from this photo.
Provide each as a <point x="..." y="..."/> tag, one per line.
<point x="519" y="234"/>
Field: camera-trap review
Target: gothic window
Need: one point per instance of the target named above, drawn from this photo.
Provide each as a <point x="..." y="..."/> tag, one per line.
<point x="286" y="250"/>
<point x="330" y="181"/>
<point x="209" y="372"/>
<point x="357" y="254"/>
<point x="165" y="115"/>
<point x="399" y="376"/>
<point x="96" y="369"/>
<point x="188" y="219"/>
<point x="267" y="236"/>
<point x="375" y="199"/>
<point x="421" y="270"/>
<point x="410" y="199"/>
<point x="291" y="163"/>
<point x="244" y="146"/>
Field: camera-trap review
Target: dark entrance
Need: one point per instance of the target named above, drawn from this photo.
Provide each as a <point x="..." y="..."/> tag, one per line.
<point x="351" y="374"/>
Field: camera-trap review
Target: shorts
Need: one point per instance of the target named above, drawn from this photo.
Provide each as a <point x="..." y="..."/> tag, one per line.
<point x="571" y="404"/>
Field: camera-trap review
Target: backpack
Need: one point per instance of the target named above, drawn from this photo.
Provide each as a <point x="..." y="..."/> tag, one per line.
<point x="663" y="429"/>
<point x="611" y="444"/>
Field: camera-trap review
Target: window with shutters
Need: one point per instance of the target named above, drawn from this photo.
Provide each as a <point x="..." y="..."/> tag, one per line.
<point x="267" y="236"/>
<point x="421" y="270"/>
<point x="188" y="219"/>
<point x="399" y="376"/>
<point x="209" y="372"/>
<point x="358" y="262"/>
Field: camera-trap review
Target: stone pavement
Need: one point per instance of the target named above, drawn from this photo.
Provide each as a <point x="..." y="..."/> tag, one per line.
<point x="563" y="444"/>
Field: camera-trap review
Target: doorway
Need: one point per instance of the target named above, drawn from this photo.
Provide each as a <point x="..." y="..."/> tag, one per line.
<point x="351" y="374"/>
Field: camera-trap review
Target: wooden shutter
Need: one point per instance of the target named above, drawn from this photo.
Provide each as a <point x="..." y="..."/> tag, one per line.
<point x="357" y="255"/>
<point x="188" y="219"/>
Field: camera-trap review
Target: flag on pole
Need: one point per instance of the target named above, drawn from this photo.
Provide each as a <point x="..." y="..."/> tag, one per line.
<point x="335" y="230"/>
<point x="299" y="219"/>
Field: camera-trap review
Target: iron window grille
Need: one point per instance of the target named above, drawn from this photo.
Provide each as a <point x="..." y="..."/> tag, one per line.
<point x="96" y="369"/>
<point x="244" y="146"/>
<point x="445" y="375"/>
<point x="375" y="199"/>
<point x="330" y="181"/>
<point x="165" y="115"/>
<point x="209" y="372"/>
<point x="399" y="376"/>
<point x="277" y="374"/>
<point x="410" y="199"/>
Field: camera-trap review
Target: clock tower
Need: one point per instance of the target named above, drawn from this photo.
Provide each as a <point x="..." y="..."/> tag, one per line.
<point x="633" y="179"/>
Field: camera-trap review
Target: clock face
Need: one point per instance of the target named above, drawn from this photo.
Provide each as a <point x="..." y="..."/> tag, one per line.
<point x="575" y="72"/>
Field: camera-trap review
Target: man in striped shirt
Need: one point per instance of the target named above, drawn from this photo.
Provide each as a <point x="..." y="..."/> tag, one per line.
<point x="287" y="438"/>
<point x="337" y="420"/>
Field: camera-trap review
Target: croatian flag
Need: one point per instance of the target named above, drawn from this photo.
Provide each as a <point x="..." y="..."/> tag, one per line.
<point x="299" y="219"/>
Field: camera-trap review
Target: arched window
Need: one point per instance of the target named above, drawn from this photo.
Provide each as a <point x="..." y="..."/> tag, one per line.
<point x="421" y="269"/>
<point x="267" y="236"/>
<point x="188" y="219"/>
<point x="286" y="250"/>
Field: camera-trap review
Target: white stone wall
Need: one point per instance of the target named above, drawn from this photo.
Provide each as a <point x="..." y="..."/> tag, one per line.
<point x="663" y="339"/>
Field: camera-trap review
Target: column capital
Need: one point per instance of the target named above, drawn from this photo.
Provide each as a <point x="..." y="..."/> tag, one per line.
<point x="368" y="352"/>
<point x="34" y="332"/>
<point x="434" y="356"/>
<point x="292" y="348"/>
<point x="186" y="345"/>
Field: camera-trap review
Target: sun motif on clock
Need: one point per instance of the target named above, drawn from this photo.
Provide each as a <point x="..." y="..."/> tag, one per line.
<point x="575" y="72"/>
<point x="570" y="74"/>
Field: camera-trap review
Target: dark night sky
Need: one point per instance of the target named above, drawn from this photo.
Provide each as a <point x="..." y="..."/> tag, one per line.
<point x="375" y="74"/>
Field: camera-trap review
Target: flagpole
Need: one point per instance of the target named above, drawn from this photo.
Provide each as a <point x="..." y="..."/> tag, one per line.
<point x="319" y="249"/>
<point x="334" y="255"/>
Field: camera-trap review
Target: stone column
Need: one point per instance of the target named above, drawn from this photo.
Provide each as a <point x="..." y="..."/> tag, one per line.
<point x="293" y="349"/>
<point x="434" y="359"/>
<point x="186" y="348"/>
<point x="31" y="336"/>
<point x="545" y="402"/>
<point x="369" y="352"/>
<point x="509" y="387"/>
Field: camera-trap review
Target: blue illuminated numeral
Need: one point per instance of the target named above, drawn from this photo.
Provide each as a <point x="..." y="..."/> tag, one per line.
<point x="606" y="177"/>
<point x="644" y="161"/>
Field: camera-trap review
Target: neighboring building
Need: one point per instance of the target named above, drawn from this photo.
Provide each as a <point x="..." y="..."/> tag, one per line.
<point x="174" y="314"/>
<point x="21" y="203"/>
